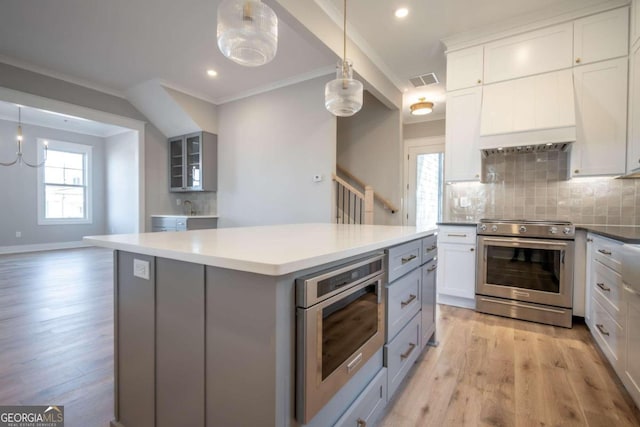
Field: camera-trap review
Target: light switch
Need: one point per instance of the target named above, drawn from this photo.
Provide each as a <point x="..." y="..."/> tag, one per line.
<point x="141" y="268"/>
<point x="317" y="178"/>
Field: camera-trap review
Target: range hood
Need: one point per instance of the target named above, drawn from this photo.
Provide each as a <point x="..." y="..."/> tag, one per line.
<point x="536" y="111"/>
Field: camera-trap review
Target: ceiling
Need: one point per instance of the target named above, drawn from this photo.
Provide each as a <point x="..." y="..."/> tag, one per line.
<point x="34" y="116"/>
<point x="118" y="44"/>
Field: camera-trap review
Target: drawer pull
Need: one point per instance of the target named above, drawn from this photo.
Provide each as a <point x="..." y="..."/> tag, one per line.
<point x="602" y="330"/>
<point x="456" y="235"/>
<point x="403" y="304"/>
<point x="603" y="287"/>
<point x="589" y="239"/>
<point x="409" y="258"/>
<point x="361" y="422"/>
<point x="407" y="353"/>
<point x="429" y="270"/>
<point x="604" y="251"/>
<point x="356" y="360"/>
<point x="432" y="248"/>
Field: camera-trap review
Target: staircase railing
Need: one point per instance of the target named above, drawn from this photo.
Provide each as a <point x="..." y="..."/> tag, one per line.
<point x="352" y="205"/>
<point x="385" y="203"/>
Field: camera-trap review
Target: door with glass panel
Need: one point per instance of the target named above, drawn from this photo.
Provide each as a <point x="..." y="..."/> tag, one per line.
<point x="424" y="186"/>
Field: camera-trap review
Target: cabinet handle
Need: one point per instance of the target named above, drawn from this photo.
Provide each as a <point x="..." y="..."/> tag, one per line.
<point x="409" y="258"/>
<point x="589" y="240"/>
<point x="456" y="235"/>
<point x="432" y="248"/>
<point x="479" y="81"/>
<point x="408" y="352"/>
<point x="576" y="171"/>
<point x="603" y="287"/>
<point x="602" y="330"/>
<point x="604" y="251"/>
<point x="429" y="270"/>
<point x="361" y="422"/>
<point x="403" y="304"/>
<point x="472" y="249"/>
<point x="577" y="60"/>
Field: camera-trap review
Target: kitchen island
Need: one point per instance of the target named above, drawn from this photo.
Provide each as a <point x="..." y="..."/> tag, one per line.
<point x="205" y="321"/>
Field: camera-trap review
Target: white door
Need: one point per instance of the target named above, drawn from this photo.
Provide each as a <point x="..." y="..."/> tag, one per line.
<point x="424" y="185"/>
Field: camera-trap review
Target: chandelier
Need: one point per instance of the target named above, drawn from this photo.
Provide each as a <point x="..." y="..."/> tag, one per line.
<point x="20" y="155"/>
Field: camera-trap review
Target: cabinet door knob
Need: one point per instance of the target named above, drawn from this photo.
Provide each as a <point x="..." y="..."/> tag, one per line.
<point x="589" y="240"/>
<point x="361" y="422"/>
<point x="472" y="249"/>
<point x="576" y="171"/>
<point x="479" y="81"/>
<point x="577" y="60"/>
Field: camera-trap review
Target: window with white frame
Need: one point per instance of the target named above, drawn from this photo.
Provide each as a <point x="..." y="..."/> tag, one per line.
<point x="64" y="193"/>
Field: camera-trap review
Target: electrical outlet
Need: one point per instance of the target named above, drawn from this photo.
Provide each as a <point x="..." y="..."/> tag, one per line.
<point x="141" y="268"/>
<point x="18" y="234"/>
<point x="178" y="202"/>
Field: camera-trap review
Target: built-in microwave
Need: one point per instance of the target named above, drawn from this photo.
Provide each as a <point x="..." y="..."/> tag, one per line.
<point x="340" y="325"/>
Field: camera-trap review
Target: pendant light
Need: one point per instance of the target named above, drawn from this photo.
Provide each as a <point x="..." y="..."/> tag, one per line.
<point x="247" y="32"/>
<point x="19" y="155"/>
<point x="343" y="96"/>
<point x="421" y="107"/>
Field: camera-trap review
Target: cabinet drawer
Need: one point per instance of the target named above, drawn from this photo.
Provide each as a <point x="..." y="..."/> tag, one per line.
<point x="457" y="234"/>
<point x="429" y="248"/>
<point x="403" y="302"/>
<point x="607" y="251"/>
<point x="607" y="288"/>
<point x="401" y="353"/>
<point x="608" y="334"/>
<point x="166" y="222"/>
<point x="369" y="405"/>
<point x="404" y="258"/>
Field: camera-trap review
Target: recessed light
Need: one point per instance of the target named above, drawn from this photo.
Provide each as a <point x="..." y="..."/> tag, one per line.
<point x="212" y="73"/>
<point x="402" y="12"/>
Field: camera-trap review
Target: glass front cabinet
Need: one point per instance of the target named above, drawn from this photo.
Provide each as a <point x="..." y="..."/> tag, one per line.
<point x="193" y="162"/>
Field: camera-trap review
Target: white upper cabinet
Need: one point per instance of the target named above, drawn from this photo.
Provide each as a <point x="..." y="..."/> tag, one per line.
<point x="635" y="21"/>
<point x="601" y="113"/>
<point x="531" y="53"/>
<point x="633" y="146"/>
<point x="462" y="153"/>
<point x="602" y="36"/>
<point x="464" y="68"/>
<point x="539" y="102"/>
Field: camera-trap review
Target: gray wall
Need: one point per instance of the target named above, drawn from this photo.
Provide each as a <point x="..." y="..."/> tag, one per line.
<point x="370" y="147"/>
<point x="424" y="129"/>
<point x="18" y="189"/>
<point x="157" y="198"/>
<point x="270" y="146"/>
<point x="121" y="171"/>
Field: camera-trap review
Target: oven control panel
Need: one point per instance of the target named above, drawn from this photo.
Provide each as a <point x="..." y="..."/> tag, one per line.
<point x="537" y="229"/>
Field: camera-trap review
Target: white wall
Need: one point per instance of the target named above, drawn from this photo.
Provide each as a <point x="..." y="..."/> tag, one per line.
<point x="424" y="129"/>
<point x="370" y="147"/>
<point x="270" y="146"/>
<point x="121" y="153"/>
<point x="19" y="185"/>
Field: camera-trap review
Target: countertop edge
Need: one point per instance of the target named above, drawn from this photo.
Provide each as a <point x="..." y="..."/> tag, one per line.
<point x="597" y="229"/>
<point x="463" y="224"/>
<point x="258" y="267"/>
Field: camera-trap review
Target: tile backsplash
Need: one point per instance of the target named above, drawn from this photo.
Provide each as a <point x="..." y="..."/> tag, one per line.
<point x="535" y="186"/>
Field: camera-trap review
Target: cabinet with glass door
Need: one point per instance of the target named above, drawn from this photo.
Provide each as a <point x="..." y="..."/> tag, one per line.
<point x="193" y="162"/>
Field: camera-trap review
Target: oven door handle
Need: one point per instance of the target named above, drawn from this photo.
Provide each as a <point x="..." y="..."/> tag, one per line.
<point x="510" y="241"/>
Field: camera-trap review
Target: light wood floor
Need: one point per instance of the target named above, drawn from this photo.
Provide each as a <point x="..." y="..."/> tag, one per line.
<point x="493" y="371"/>
<point x="56" y="347"/>
<point x="56" y="333"/>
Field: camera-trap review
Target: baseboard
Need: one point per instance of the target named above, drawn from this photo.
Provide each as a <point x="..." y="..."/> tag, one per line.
<point x="457" y="301"/>
<point x="17" y="249"/>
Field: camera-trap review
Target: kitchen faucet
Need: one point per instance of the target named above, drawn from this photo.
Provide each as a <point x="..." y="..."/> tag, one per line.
<point x="190" y="211"/>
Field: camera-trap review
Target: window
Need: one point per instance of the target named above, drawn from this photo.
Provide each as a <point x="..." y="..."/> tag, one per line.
<point x="429" y="189"/>
<point x="64" y="193"/>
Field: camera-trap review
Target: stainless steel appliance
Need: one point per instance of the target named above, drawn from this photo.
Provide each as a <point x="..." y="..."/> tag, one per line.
<point x="340" y="325"/>
<point x="525" y="270"/>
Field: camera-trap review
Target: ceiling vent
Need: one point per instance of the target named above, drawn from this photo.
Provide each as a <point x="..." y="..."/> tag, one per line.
<point x="424" y="80"/>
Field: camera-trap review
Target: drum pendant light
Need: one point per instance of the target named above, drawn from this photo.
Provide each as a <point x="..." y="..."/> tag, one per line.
<point x="343" y="95"/>
<point x="247" y="32"/>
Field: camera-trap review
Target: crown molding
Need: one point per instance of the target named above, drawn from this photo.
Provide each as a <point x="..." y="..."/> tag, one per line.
<point x="529" y="22"/>
<point x="61" y="76"/>
<point x="324" y="71"/>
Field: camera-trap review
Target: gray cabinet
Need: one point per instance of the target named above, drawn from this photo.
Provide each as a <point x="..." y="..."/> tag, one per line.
<point x="181" y="223"/>
<point x="193" y="162"/>
<point x="428" y="296"/>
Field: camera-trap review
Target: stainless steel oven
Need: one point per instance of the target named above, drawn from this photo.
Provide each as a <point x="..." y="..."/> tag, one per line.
<point x="525" y="270"/>
<point x="340" y="325"/>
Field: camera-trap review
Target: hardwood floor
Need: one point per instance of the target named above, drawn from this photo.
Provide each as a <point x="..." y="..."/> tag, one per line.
<point x="493" y="371"/>
<point x="56" y="333"/>
<point x="56" y="347"/>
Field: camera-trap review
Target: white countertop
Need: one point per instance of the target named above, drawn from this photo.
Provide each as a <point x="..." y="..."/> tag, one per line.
<point x="271" y="250"/>
<point x="184" y="216"/>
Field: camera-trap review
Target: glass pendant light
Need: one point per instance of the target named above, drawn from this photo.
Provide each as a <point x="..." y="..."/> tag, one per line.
<point x="247" y="32"/>
<point x="343" y="96"/>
